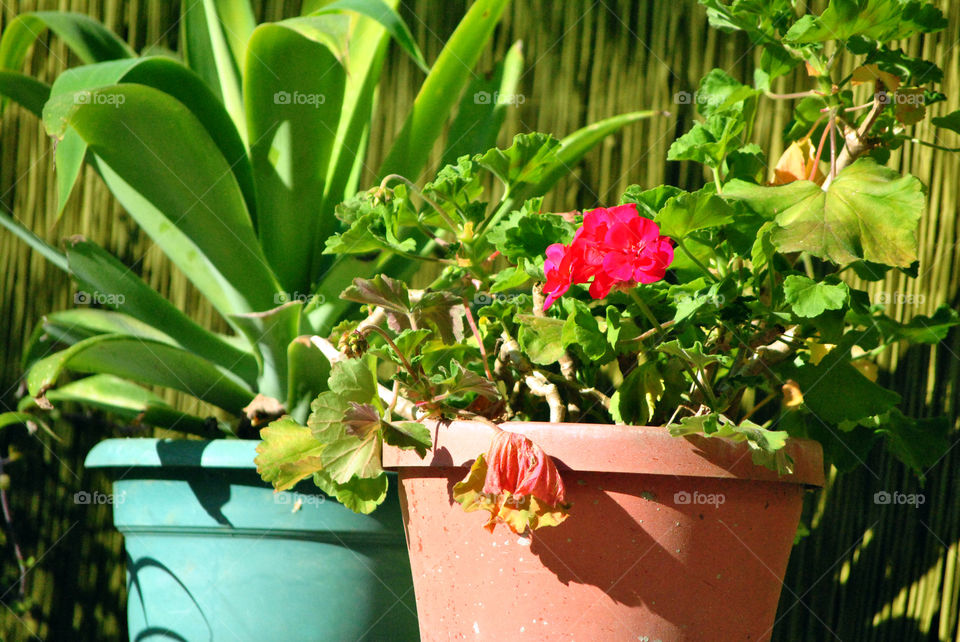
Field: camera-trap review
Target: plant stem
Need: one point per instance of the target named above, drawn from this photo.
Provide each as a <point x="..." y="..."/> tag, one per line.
<point x="476" y="334"/>
<point x="833" y="146"/>
<point x="816" y="161"/>
<point x="18" y="553"/>
<point x="716" y="180"/>
<point x="393" y="346"/>
<point x="798" y="94"/>
<point x="933" y="145"/>
<point x="645" y="310"/>
<point x="696" y="261"/>
<point x="446" y="217"/>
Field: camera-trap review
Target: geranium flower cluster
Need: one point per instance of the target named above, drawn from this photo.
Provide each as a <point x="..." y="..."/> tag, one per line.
<point x="616" y="247"/>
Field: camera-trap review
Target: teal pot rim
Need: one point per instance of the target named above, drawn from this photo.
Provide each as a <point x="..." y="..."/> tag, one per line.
<point x="174" y="453"/>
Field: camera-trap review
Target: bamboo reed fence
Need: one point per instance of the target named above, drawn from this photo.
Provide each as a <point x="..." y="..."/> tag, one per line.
<point x="865" y="572"/>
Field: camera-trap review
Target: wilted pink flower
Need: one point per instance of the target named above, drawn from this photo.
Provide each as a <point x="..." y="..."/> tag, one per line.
<point x="520" y="467"/>
<point x="614" y="247"/>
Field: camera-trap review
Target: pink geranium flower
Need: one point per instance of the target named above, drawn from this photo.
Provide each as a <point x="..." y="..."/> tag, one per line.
<point x="615" y="247"/>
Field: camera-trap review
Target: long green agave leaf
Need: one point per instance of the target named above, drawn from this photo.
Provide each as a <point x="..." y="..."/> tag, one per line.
<point x="25" y="90"/>
<point x="104" y="274"/>
<point x="164" y="168"/>
<point x="215" y="34"/>
<point x="130" y="402"/>
<point x="165" y="74"/>
<point x="368" y="45"/>
<point x="146" y="361"/>
<point x="441" y="90"/>
<point x="25" y="234"/>
<point x="483" y="108"/>
<point x="90" y="40"/>
<point x="293" y="87"/>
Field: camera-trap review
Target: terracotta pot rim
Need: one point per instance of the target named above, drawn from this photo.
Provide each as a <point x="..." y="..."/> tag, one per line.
<point x="616" y="449"/>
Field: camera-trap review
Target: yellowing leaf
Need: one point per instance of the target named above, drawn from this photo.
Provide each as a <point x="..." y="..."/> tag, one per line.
<point x="869" y="212"/>
<point x="873" y="73"/>
<point x="909" y="106"/>
<point x="819" y="350"/>
<point x="792" y="395"/>
<point x="795" y="164"/>
<point x="519" y="513"/>
<point x="288" y="453"/>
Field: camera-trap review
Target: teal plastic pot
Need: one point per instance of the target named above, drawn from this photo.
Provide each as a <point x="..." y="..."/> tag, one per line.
<point x="214" y="554"/>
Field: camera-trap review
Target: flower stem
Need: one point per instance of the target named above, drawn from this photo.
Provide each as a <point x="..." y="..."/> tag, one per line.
<point x="696" y="261"/>
<point x="393" y="346"/>
<point x="645" y="309"/>
<point x="446" y="217"/>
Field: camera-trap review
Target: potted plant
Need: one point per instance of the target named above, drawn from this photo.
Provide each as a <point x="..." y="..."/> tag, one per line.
<point x="232" y="160"/>
<point x="632" y="399"/>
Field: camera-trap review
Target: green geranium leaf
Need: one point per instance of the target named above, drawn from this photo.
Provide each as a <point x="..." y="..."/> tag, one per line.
<point x="509" y="279"/>
<point x="408" y="435"/>
<point x="443" y="312"/>
<point x="766" y="446"/>
<point x="540" y="338"/>
<point x="869" y="212"/>
<point x="352" y="380"/>
<point x="921" y="328"/>
<point x="951" y="121"/>
<point x="460" y="381"/>
<point x="882" y="20"/>
<point x="720" y="92"/>
<point x="636" y="398"/>
<point x="380" y="291"/>
<point x="288" y="453"/>
<point x="650" y="201"/>
<point x="353" y="456"/>
<point x="374" y="225"/>
<point x="527" y="233"/>
<point x="747" y="163"/>
<point x="360" y="494"/>
<point x="686" y="213"/>
<point x="693" y="355"/>
<point x="326" y="417"/>
<point x="775" y="61"/>
<point x="582" y="330"/>
<point x="809" y="298"/>
<point x="861" y="397"/>
<point x="459" y="185"/>
<point x="360" y="420"/>
<point x="525" y="163"/>
<point x="763" y="249"/>
<point x="709" y="142"/>
<point x="919" y="443"/>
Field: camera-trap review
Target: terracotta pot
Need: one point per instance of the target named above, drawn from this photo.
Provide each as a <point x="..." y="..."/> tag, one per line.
<point x="668" y="539"/>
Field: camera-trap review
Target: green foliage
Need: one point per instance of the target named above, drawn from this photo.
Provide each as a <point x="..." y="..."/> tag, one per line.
<point x="234" y="161"/>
